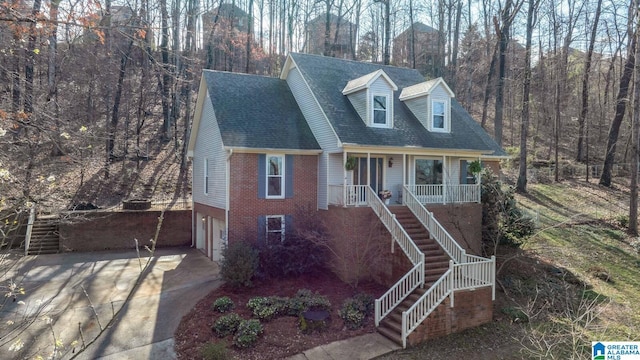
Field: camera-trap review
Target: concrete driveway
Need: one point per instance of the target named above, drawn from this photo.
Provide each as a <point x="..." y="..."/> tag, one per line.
<point x="70" y="297"/>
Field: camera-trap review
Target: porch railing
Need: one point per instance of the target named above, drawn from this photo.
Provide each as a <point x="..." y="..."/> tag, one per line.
<point x="437" y="231"/>
<point x="410" y="281"/>
<point x="479" y="272"/>
<point x="444" y="194"/>
<point x="465" y="271"/>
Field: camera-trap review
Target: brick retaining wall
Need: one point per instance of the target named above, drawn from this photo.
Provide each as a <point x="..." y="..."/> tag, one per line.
<point x="94" y="231"/>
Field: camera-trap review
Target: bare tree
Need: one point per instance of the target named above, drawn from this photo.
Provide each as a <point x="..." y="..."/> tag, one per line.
<point x="621" y="100"/>
<point x="507" y="15"/>
<point x="526" y="88"/>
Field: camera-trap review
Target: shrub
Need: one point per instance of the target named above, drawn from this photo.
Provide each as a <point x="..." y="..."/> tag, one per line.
<point x="223" y="304"/>
<point x="247" y="333"/>
<point x="239" y="264"/>
<point x="293" y="257"/>
<point x="354" y="310"/>
<point x="214" y="351"/>
<point x="306" y="300"/>
<point x="227" y="325"/>
<point x="503" y="222"/>
<point x="267" y="308"/>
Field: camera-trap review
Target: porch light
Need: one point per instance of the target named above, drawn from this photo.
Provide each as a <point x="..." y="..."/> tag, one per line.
<point x="390" y="162"/>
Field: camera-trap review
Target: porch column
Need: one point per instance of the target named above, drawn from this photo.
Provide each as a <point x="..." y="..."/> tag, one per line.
<point x="445" y="171"/>
<point x="404" y="176"/>
<point x="344" y="178"/>
<point x="368" y="171"/>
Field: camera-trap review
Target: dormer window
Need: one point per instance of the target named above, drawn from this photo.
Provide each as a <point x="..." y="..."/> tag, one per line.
<point x="380" y="113"/>
<point x="372" y="97"/>
<point x="438" y="117"/>
<point x="430" y="102"/>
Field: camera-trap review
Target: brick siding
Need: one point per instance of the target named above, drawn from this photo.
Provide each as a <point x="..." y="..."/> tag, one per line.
<point x="244" y="204"/>
<point x="93" y="231"/>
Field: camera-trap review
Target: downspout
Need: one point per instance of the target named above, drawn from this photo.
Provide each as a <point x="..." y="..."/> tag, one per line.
<point x="227" y="201"/>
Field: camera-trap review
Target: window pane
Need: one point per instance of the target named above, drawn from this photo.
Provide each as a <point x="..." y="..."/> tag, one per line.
<point x="275" y="165"/>
<point x="380" y="102"/>
<point x="438" y="121"/>
<point x="275" y="186"/>
<point x="428" y="172"/>
<point x="274" y="224"/>
<point x="438" y="108"/>
<point x="379" y="117"/>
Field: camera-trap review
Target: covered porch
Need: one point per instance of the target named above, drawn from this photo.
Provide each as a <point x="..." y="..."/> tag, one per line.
<point x="433" y="179"/>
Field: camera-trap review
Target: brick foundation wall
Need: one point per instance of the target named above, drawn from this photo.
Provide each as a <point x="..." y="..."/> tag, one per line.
<point x="463" y="222"/>
<point x="471" y="309"/>
<point x="245" y="206"/>
<point x="364" y="246"/>
<point x="94" y="231"/>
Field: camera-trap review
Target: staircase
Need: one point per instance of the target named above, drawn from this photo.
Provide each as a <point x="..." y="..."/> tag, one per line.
<point x="45" y="237"/>
<point x="436" y="264"/>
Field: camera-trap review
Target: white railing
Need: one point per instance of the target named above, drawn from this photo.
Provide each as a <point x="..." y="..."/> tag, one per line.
<point x="444" y="194"/>
<point x="27" y="238"/>
<point x="465" y="271"/>
<point x="420" y="310"/>
<point x="475" y="272"/>
<point x="428" y="194"/>
<point x="398" y="292"/>
<point x="463" y="193"/>
<point x="410" y="281"/>
<point x="437" y="231"/>
<point x="357" y="195"/>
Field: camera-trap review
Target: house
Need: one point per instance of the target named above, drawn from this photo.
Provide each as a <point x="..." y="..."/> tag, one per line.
<point x="341" y="46"/>
<point x="225" y="29"/>
<point x="421" y="40"/>
<point x="334" y="135"/>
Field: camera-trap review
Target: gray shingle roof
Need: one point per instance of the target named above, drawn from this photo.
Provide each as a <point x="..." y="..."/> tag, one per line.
<point x="328" y="76"/>
<point x="257" y="112"/>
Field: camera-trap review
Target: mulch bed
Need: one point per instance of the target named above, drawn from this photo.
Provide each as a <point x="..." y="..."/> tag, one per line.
<point x="281" y="337"/>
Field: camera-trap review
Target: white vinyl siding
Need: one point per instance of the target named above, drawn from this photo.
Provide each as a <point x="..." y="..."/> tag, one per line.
<point x="420" y="108"/>
<point x="209" y="145"/>
<point x="320" y="127"/>
<point x="393" y="177"/>
<point x="359" y="102"/>
<point x="336" y="170"/>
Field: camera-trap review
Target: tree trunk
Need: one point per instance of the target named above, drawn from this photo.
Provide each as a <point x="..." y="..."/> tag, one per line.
<point x="124" y="59"/>
<point x="635" y="132"/>
<point x="524" y="126"/>
<point x="620" y="109"/>
<point x="488" y="85"/>
<point x="580" y="154"/>
<point x="166" y="75"/>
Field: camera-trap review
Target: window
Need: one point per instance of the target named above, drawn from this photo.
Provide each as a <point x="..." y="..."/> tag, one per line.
<point x="438" y="115"/>
<point x="275" y="176"/>
<point x="275" y="229"/>
<point x="428" y="172"/>
<point x="206" y="176"/>
<point x="379" y="110"/>
<point x="466" y="176"/>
